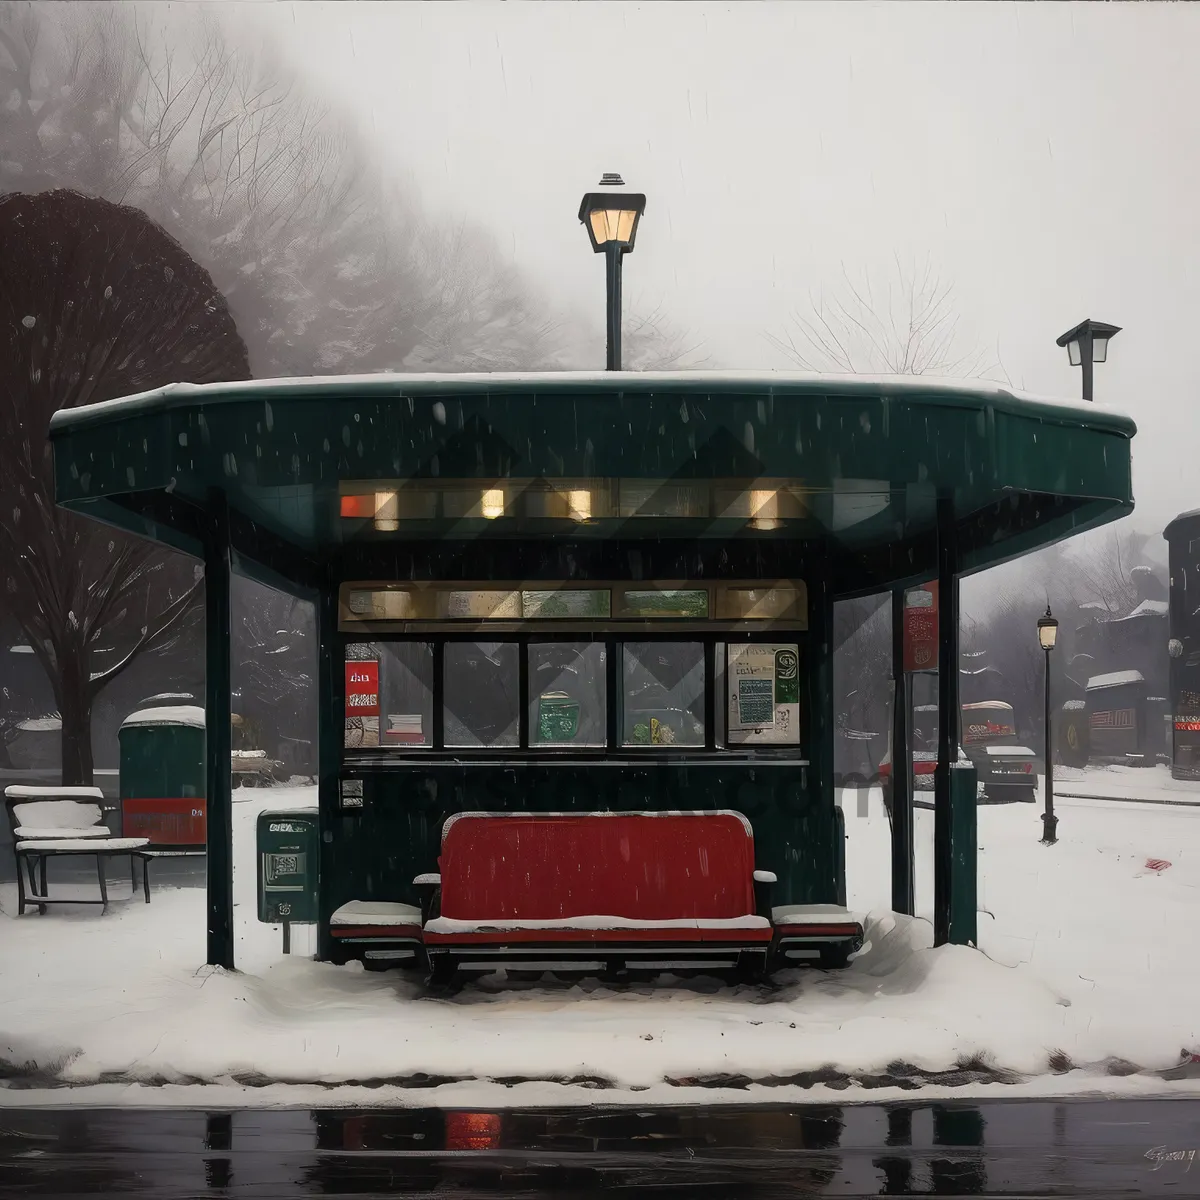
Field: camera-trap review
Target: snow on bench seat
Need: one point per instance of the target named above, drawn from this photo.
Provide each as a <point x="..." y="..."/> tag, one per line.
<point x="831" y="915"/>
<point x="376" y="912"/>
<point x="82" y="845"/>
<point x="376" y="919"/>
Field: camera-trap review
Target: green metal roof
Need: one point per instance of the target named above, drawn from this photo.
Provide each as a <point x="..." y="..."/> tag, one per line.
<point x="871" y="455"/>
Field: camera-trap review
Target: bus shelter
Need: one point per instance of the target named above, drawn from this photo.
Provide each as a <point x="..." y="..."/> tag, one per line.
<point x="601" y="592"/>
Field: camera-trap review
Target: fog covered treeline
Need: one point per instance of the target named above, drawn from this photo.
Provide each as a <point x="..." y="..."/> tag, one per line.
<point x="283" y="220"/>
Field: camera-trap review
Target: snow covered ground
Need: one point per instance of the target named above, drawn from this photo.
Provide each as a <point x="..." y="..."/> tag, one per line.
<point x="1145" y="783"/>
<point x="1084" y="960"/>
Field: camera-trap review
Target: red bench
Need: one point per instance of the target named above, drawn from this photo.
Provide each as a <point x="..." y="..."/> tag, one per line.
<point x="597" y="892"/>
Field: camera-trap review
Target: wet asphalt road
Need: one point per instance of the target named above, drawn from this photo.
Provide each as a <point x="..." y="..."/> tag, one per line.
<point x="1003" y="1148"/>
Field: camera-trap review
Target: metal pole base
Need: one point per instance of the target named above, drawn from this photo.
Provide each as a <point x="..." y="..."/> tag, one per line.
<point x="1049" y="829"/>
<point x="287" y="937"/>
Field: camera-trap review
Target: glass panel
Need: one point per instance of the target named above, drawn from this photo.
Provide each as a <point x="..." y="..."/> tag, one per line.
<point x="389" y="604"/>
<point x="601" y="229"/>
<point x="481" y="694"/>
<point x="389" y="695"/>
<point x="663" y="686"/>
<point x="1099" y="349"/>
<point x="567" y="694"/>
<point x="1074" y="356"/>
<point x="764" y="694"/>
<point x="484" y="606"/>
<point x="654" y="602"/>
<point x="759" y="603"/>
<point x="566" y="603"/>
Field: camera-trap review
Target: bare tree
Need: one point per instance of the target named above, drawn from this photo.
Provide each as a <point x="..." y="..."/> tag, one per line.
<point x="905" y="326"/>
<point x="652" y="343"/>
<point x="325" y="269"/>
<point x="95" y="302"/>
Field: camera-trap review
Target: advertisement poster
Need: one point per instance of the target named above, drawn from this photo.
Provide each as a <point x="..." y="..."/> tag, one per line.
<point x="764" y="694"/>
<point x="362" y="688"/>
<point x="921" y="628"/>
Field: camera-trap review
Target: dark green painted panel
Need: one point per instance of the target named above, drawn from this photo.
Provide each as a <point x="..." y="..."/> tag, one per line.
<point x="377" y="851"/>
<point x="159" y="761"/>
<point x="964" y="850"/>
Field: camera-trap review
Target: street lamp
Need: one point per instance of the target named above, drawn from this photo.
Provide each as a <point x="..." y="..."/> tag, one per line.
<point x="1047" y="628"/>
<point x="1087" y="343"/>
<point x="611" y="220"/>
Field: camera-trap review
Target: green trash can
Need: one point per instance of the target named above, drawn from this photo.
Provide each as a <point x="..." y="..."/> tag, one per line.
<point x="287" y="868"/>
<point x="162" y="781"/>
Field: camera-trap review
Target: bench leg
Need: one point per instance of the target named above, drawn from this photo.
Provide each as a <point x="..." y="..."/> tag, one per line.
<point x="146" y="877"/>
<point x="103" y="883"/>
<point x="44" y="889"/>
<point x="22" y="867"/>
<point x="133" y="873"/>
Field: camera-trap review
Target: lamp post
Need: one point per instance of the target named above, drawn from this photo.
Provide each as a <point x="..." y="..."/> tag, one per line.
<point x="1086" y="344"/>
<point x="1047" y="628"/>
<point x="611" y="220"/>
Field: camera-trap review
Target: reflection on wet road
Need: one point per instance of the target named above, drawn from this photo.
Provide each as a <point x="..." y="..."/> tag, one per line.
<point x="1080" y="1148"/>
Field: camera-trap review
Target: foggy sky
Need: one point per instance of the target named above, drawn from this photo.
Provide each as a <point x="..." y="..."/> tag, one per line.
<point x="1041" y="157"/>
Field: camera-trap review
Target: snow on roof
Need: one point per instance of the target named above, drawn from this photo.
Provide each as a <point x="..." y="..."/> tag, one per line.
<point x="173" y="714"/>
<point x="1095" y="605"/>
<point x="1003" y="751"/>
<point x="1115" y="679"/>
<point x="41" y="724"/>
<point x="403" y="384"/>
<point x="987" y="704"/>
<point x="1074" y="705"/>
<point x="1149" y="608"/>
<point x="20" y="649"/>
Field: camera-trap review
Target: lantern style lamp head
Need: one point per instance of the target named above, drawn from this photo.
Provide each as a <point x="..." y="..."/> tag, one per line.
<point x="1047" y="628"/>
<point x="611" y="218"/>
<point x="1087" y="343"/>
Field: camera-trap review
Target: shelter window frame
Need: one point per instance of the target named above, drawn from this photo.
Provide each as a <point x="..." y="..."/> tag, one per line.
<point x="715" y="643"/>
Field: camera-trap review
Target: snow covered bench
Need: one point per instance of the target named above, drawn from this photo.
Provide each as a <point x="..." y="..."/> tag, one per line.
<point x="55" y="822"/>
<point x="591" y="892"/>
<point x="379" y="933"/>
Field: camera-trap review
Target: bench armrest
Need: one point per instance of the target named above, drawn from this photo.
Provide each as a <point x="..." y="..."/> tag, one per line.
<point x="430" y="883"/>
<point x="763" y="881"/>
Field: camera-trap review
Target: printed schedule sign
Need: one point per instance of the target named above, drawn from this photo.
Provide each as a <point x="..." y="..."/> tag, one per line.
<point x="763" y="685"/>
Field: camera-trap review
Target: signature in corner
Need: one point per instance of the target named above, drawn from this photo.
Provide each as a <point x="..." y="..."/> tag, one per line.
<point x="1160" y="1156"/>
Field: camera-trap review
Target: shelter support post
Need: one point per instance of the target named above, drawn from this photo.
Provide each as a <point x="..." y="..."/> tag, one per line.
<point x="964" y="899"/>
<point x="820" y="707"/>
<point x="218" y="738"/>
<point x="948" y="721"/>
<point x="901" y="782"/>
<point x="331" y="704"/>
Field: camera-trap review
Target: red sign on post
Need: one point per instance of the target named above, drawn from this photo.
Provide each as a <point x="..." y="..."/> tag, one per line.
<point x="362" y="689"/>
<point x="921" y="628"/>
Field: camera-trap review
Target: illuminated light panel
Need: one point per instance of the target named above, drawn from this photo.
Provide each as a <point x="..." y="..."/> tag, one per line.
<point x="492" y="503"/>
<point x="580" y="505"/>
<point x="358" y="506"/>
<point x="387" y="511"/>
